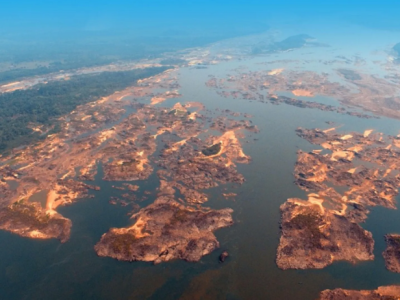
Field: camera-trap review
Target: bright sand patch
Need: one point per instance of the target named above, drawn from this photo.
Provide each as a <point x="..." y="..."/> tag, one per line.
<point x="317" y="200"/>
<point x="342" y="154"/>
<point x="275" y="71"/>
<point x="356" y="148"/>
<point x="105" y="135"/>
<point x="329" y="129"/>
<point x="156" y="100"/>
<point x="162" y="131"/>
<point x="54" y="199"/>
<point x="50" y="202"/>
<point x="178" y="106"/>
<point x="346" y="137"/>
<point x="11" y="84"/>
<point x="302" y="93"/>
<point x="351" y="171"/>
<point x="316" y="151"/>
<point x="368" y="132"/>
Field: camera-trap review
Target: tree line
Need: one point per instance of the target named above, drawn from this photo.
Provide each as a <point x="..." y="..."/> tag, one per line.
<point x="43" y="104"/>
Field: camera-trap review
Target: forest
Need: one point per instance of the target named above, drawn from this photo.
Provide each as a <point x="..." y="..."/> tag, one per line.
<point x="43" y="104"/>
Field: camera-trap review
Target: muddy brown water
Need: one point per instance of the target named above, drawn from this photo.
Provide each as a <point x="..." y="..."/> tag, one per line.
<point x="34" y="269"/>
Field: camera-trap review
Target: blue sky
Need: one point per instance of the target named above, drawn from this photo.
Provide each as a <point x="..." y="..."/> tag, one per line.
<point x="92" y="15"/>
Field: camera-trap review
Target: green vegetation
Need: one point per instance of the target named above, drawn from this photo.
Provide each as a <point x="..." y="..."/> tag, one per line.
<point x="310" y="224"/>
<point x="12" y="162"/>
<point x="212" y="150"/>
<point x="43" y="104"/>
<point x="44" y="51"/>
<point x="26" y="214"/>
<point x="179" y="216"/>
<point x="129" y="165"/>
<point x="30" y="179"/>
<point x="26" y="60"/>
<point x="109" y="149"/>
<point x="305" y="221"/>
<point x="122" y="243"/>
<point x="178" y="112"/>
<point x="19" y="73"/>
<point x="394" y="239"/>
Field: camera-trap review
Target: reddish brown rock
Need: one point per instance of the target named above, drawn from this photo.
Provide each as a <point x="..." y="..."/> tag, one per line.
<point x="392" y="252"/>
<point x="165" y="230"/>
<point x="29" y="220"/>
<point x="391" y="292"/>
<point x="313" y="239"/>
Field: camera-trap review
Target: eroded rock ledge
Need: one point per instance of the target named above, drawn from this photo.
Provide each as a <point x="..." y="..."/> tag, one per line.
<point x="166" y="230"/>
<point x="29" y="220"/>
<point x="391" y="292"/>
<point x="312" y="238"/>
<point x="344" y="177"/>
<point x="392" y="252"/>
<point x="122" y="134"/>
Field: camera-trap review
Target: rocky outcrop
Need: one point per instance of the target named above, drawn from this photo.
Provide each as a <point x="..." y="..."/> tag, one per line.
<point x="313" y="239"/>
<point x="29" y="220"/>
<point x="351" y="173"/>
<point x="224" y="255"/>
<point x="391" y="292"/>
<point x="392" y="252"/>
<point x="165" y="230"/>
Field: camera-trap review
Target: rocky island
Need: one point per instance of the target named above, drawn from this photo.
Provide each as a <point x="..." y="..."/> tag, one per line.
<point x="173" y="228"/>
<point x="168" y="159"/>
<point x="392" y="252"/>
<point x="313" y="238"/>
<point x="325" y="227"/>
<point x="382" y="293"/>
<point x="29" y="220"/>
<point x="166" y="230"/>
<point x="130" y="134"/>
<point x="362" y="92"/>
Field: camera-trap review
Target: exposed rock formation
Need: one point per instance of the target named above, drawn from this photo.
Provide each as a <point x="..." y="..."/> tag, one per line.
<point x="312" y="238"/>
<point x="29" y="220"/>
<point x="392" y="252"/>
<point x="224" y="255"/>
<point x="343" y="179"/>
<point x="391" y="292"/>
<point x="165" y="230"/>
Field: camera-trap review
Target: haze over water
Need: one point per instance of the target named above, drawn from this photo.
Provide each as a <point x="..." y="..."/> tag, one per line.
<point x="49" y="22"/>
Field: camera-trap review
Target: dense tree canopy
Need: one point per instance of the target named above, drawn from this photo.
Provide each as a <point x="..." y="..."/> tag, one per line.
<point x="42" y="104"/>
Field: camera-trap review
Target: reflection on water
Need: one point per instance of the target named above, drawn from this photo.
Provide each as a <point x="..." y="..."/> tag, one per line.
<point x="33" y="269"/>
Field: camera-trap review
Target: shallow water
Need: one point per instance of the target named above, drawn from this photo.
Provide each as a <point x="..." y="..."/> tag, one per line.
<point x="33" y="269"/>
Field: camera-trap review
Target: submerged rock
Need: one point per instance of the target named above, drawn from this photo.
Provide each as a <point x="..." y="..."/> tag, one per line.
<point x="224" y="255"/>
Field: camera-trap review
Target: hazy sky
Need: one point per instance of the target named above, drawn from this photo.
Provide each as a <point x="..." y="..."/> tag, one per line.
<point x="100" y="14"/>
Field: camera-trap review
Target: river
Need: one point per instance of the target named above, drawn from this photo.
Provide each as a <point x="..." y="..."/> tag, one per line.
<point x="35" y="269"/>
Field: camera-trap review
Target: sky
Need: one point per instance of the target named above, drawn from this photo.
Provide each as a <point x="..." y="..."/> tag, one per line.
<point x="87" y="15"/>
<point x="157" y="17"/>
